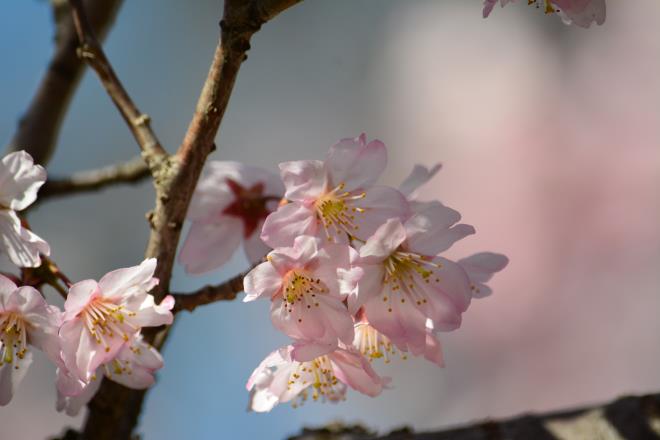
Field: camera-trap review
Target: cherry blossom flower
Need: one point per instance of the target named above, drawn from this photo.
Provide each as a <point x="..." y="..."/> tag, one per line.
<point x="25" y="320"/>
<point x="295" y="372"/>
<point x="101" y="318"/>
<point x="402" y="282"/>
<point x="335" y="199"/>
<point x="228" y="207"/>
<point x="133" y="366"/>
<point x="480" y="269"/>
<point x="302" y="283"/>
<point x="580" y="12"/>
<point x="375" y="345"/>
<point x="20" y="179"/>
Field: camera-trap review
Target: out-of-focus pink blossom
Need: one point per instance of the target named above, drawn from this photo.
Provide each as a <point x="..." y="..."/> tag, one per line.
<point x="292" y="373"/>
<point x="25" y="320"/>
<point x="302" y="283"/>
<point x="335" y="199"/>
<point x="228" y="207"/>
<point x="419" y="176"/>
<point x="480" y="269"/>
<point x="20" y="179"/>
<point x="401" y="281"/>
<point x="134" y="367"/>
<point x="580" y="12"/>
<point x="101" y="318"/>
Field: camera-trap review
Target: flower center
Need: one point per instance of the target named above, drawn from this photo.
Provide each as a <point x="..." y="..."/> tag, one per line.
<point x="373" y="344"/>
<point x="318" y="374"/>
<point x="405" y="275"/>
<point x="249" y="205"/>
<point x="335" y="211"/>
<point x="105" y="321"/>
<point x="549" y="8"/>
<point x="13" y="334"/>
<point x="302" y="288"/>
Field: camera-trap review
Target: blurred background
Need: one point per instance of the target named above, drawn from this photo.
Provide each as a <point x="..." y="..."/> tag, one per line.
<point x="550" y="140"/>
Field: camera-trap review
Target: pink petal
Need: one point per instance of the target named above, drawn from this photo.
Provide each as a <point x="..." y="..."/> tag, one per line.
<point x="80" y="294"/>
<point x="123" y="282"/>
<point x="367" y="282"/>
<point x="148" y="314"/>
<point x="11" y="377"/>
<point x="355" y="164"/>
<point x="262" y="282"/>
<point x="254" y="246"/>
<point x="433" y="351"/>
<point x="383" y="242"/>
<point x="304" y="180"/>
<point x="354" y="370"/>
<point x="21" y="245"/>
<point x="308" y="351"/>
<point x="381" y="203"/>
<point x="288" y="222"/>
<point x="210" y="245"/>
<point x="20" y="180"/>
<point x="73" y="404"/>
<point x="418" y="177"/>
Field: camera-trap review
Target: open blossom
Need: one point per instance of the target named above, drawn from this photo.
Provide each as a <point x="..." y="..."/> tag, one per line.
<point x="228" y="207"/>
<point x="302" y="283"/>
<point x="402" y="283"/>
<point x="133" y="366"/>
<point x="580" y="12"/>
<point x="335" y="199"/>
<point x="375" y="345"/>
<point x="480" y="269"/>
<point x="25" y="320"/>
<point x="20" y="179"/>
<point x="101" y="318"/>
<point x="294" y="373"/>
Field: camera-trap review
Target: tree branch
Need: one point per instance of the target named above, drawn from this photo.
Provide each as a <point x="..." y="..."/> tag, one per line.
<point x="209" y="294"/>
<point x="138" y="122"/>
<point x="630" y="418"/>
<point x="39" y="126"/>
<point x="114" y="411"/>
<point x="132" y="171"/>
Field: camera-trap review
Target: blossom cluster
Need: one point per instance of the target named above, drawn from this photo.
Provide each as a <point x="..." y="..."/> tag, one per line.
<point x="98" y="332"/>
<point x="355" y="272"/>
<point x="580" y="12"/>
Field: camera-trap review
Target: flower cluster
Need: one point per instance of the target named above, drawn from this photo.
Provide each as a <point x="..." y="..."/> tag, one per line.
<point x="580" y="12"/>
<point x="355" y="272"/>
<point x="99" y="331"/>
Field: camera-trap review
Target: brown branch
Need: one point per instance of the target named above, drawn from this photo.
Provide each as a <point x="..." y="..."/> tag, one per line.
<point x="114" y="411"/>
<point x="39" y="126"/>
<point x="132" y="171"/>
<point x="630" y="418"/>
<point x="226" y="291"/>
<point x="138" y="122"/>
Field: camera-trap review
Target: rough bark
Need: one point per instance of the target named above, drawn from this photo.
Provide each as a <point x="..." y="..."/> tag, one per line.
<point x="627" y="418"/>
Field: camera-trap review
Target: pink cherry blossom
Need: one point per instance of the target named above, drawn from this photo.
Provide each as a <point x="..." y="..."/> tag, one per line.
<point x="25" y="320"/>
<point x="335" y="199"/>
<point x="286" y="375"/>
<point x="375" y="345"/>
<point x="20" y="179"/>
<point x="302" y="283"/>
<point x="402" y="282"/>
<point x="480" y="269"/>
<point x="133" y="366"/>
<point x="100" y="318"/>
<point x="228" y="207"/>
<point x="580" y="12"/>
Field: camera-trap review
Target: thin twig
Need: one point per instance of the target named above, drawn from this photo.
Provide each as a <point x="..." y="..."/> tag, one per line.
<point x="132" y="171"/>
<point x="226" y="291"/>
<point x="39" y="126"/>
<point x="92" y="52"/>
<point x="114" y="411"/>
